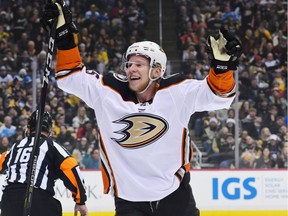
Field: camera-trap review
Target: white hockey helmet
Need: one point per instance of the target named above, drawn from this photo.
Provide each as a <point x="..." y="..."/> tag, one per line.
<point x="151" y="50"/>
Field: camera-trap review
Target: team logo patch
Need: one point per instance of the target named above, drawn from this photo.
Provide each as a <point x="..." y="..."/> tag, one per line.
<point x="140" y="130"/>
<point x="120" y="77"/>
<point x="93" y="72"/>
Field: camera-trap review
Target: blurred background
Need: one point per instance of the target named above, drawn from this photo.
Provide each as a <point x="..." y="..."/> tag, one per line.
<point x="251" y="134"/>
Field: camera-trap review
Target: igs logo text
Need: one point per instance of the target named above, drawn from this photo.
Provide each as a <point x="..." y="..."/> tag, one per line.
<point x="234" y="188"/>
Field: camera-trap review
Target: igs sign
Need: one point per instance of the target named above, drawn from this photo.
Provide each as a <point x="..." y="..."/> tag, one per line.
<point x="234" y="188"/>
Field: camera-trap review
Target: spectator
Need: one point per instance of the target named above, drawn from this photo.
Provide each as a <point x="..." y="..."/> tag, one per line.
<point x="22" y="42"/>
<point x="248" y="121"/>
<point x="82" y="148"/>
<point x="93" y="13"/>
<point x="9" y="61"/>
<point x="265" y="134"/>
<point x="280" y="51"/>
<point x="65" y="136"/>
<point x="80" y="118"/>
<point x="7" y="129"/>
<point x="223" y="148"/>
<point x="4" y="144"/>
<point x="243" y="141"/>
<point x="230" y="124"/>
<point x="91" y="159"/>
<point x="255" y="128"/>
<point x="59" y="121"/>
<point x="209" y="135"/>
<point x="270" y="63"/>
<point x="13" y="112"/>
<point x="253" y="147"/>
<point x="5" y="77"/>
<point x="270" y="120"/>
<point x="22" y="121"/>
<point x="26" y="79"/>
<point x="264" y="161"/>
<point x="247" y="160"/>
<point x="19" y="26"/>
<point x="119" y="11"/>
<point x="283" y="158"/>
<point x="69" y="147"/>
<point x="274" y="145"/>
<point x="263" y="110"/>
<point x="85" y="130"/>
<point x="228" y="156"/>
<point x="256" y="66"/>
<point x="244" y="109"/>
<point x="94" y="138"/>
<point x="24" y="61"/>
<point x="283" y="132"/>
<point x="19" y="135"/>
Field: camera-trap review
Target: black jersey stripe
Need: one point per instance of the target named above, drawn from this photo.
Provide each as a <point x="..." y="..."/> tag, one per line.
<point x="51" y="156"/>
<point x="121" y="86"/>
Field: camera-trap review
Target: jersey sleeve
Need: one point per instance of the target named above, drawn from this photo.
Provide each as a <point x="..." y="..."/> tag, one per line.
<point x="73" y="77"/>
<point x="68" y="60"/>
<point x="3" y="161"/>
<point x="222" y="84"/>
<point x="70" y="174"/>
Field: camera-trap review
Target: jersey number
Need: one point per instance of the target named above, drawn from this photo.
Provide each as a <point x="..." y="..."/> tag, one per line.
<point x="23" y="155"/>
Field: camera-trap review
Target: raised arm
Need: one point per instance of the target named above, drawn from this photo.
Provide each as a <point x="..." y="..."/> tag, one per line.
<point x="224" y="51"/>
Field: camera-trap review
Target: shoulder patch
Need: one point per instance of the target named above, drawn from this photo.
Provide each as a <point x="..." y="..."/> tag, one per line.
<point x="119" y="84"/>
<point x="93" y="72"/>
<point x="120" y="77"/>
<point x="173" y="79"/>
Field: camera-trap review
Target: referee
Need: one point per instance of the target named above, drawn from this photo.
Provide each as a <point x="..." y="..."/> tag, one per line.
<point x="54" y="162"/>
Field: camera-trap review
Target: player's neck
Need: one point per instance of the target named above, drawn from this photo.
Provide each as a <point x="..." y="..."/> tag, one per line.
<point x="148" y="95"/>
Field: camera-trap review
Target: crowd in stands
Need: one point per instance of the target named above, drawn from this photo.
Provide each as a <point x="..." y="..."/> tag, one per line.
<point x="261" y="26"/>
<point x="108" y="27"/>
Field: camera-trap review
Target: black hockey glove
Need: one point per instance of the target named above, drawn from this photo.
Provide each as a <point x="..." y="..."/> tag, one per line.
<point x="66" y="30"/>
<point x="223" y="51"/>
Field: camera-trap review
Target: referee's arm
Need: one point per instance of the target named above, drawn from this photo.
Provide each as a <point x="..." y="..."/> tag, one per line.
<point x="3" y="162"/>
<point x="72" y="179"/>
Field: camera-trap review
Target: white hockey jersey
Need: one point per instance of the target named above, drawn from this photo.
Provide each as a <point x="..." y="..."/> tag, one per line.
<point x="144" y="146"/>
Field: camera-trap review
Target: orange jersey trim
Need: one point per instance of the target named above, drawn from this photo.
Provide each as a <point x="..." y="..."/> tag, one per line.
<point x="68" y="59"/>
<point x="2" y="159"/>
<point x="106" y="178"/>
<point x="184" y="134"/>
<point x="221" y="83"/>
<point x="67" y="165"/>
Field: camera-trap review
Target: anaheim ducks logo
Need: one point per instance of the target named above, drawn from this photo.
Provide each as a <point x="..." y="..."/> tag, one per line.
<point x="120" y="77"/>
<point x="140" y="130"/>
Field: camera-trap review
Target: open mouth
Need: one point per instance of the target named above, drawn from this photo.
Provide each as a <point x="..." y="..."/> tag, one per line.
<point x="134" y="78"/>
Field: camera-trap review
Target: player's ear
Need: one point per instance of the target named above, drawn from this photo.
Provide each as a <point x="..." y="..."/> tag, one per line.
<point x="156" y="73"/>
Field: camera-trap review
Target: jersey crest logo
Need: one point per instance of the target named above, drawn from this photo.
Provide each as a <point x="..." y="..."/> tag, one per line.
<point x="120" y="77"/>
<point x="140" y="130"/>
<point x="93" y="72"/>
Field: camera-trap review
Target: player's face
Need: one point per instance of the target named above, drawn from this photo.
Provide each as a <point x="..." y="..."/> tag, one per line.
<point x="138" y="73"/>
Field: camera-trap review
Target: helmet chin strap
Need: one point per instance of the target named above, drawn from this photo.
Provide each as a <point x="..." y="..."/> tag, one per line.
<point x="149" y="83"/>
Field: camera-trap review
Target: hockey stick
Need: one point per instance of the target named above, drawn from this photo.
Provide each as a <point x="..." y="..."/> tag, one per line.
<point x="39" y="117"/>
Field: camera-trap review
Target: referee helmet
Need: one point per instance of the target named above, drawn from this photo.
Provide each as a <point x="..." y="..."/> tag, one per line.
<point x="46" y="122"/>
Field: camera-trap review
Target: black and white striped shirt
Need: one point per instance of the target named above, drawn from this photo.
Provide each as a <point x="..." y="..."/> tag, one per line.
<point x="54" y="162"/>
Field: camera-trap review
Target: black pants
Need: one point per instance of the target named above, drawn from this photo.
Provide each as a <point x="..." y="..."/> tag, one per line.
<point x="181" y="203"/>
<point x="12" y="203"/>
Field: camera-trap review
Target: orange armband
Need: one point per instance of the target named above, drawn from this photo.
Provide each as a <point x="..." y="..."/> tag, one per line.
<point x="68" y="59"/>
<point x="222" y="83"/>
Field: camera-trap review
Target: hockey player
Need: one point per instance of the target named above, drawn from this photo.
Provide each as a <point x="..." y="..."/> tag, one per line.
<point x="143" y="117"/>
<point x="53" y="162"/>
